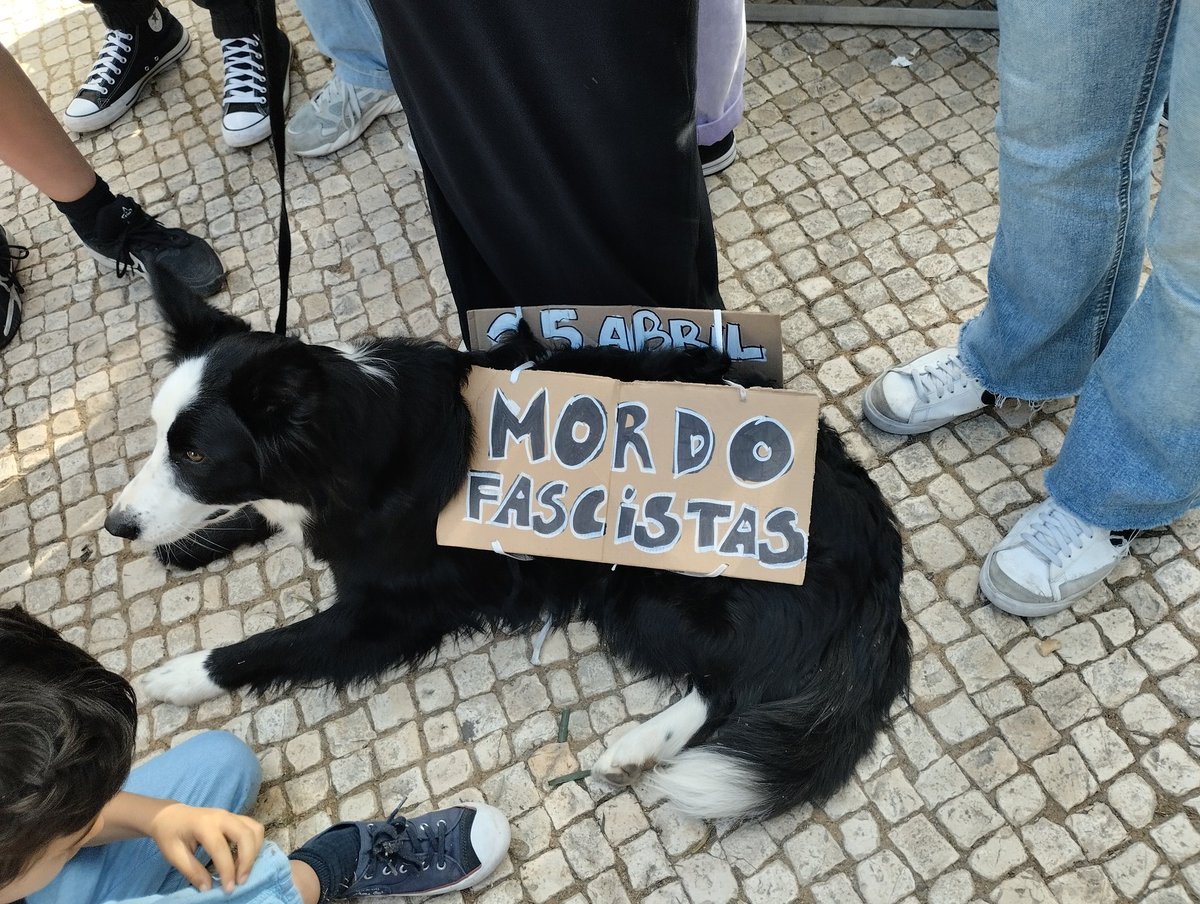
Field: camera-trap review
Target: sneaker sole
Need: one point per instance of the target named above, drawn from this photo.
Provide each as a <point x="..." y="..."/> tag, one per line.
<point x="723" y="162"/>
<point x="383" y="108"/>
<point x="260" y="131"/>
<point x="15" y="315"/>
<point x="119" y="107"/>
<point x="109" y="263"/>
<point x="887" y="425"/>
<point x="1012" y="606"/>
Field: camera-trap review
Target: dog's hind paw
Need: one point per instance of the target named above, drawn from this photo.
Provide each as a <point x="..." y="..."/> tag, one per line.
<point x="619" y="775"/>
<point x="656" y="741"/>
<point x="183" y="681"/>
<point x="622" y="765"/>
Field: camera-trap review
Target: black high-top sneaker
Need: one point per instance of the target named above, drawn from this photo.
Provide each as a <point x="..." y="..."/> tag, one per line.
<point x="126" y="64"/>
<point x="718" y="156"/>
<point x="10" y="289"/>
<point x="247" y="118"/>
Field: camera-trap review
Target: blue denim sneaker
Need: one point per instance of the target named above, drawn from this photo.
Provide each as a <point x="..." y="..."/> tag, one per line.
<point x="443" y="851"/>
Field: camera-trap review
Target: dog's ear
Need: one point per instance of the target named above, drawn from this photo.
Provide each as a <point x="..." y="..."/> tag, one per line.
<point x="278" y="390"/>
<point x="516" y="347"/>
<point x="193" y="323"/>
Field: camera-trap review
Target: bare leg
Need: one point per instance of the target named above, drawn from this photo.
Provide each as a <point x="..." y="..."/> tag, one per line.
<point x="306" y="882"/>
<point x="33" y="142"/>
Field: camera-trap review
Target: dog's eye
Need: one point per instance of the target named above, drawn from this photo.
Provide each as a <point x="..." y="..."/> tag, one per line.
<point x="193" y="455"/>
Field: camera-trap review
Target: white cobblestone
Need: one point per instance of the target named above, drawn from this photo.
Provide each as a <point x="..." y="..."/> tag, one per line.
<point x="884" y="879"/>
<point x="862" y="209"/>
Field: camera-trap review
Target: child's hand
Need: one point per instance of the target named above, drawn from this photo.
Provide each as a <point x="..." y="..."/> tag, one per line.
<point x="178" y="829"/>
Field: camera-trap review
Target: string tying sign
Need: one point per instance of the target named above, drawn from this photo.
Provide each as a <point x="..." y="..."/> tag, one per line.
<point x="752" y="339"/>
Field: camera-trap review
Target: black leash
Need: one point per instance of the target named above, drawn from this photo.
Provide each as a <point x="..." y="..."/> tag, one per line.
<point x="267" y="29"/>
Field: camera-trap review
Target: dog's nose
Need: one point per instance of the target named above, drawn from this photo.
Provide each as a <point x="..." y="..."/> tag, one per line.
<point x="122" y="524"/>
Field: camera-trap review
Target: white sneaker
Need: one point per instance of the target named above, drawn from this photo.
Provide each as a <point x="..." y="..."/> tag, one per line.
<point x="337" y="115"/>
<point x="924" y="394"/>
<point x="1048" y="559"/>
<point x="414" y="159"/>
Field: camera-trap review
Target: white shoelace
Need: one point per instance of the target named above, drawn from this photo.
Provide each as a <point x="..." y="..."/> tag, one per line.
<point x="1055" y="534"/>
<point x="330" y="104"/>
<point x="105" y="70"/>
<point x="245" y="75"/>
<point x="938" y="379"/>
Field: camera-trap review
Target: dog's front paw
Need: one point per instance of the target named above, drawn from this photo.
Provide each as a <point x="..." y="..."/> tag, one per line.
<point x="188" y="554"/>
<point x="219" y="539"/>
<point x="183" y="681"/>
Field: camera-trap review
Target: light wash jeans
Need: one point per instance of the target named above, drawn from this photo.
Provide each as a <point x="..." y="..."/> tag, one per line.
<point x="348" y="34"/>
<point x="720" y="68"/>
<point x="1082" y="84"/>
<point x="213" y="769"/>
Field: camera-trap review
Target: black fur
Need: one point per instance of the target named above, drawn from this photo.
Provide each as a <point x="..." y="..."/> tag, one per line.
<point x="798" y="680"/>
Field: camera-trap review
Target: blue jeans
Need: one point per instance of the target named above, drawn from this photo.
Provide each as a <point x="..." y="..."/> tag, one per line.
<point x="213" y="769"/>
<point x="1082" y="84"/>
<point x="348" y="34"/>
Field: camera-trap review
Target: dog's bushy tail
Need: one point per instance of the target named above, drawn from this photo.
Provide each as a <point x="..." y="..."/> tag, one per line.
<point x="192" y="322"/>
<point x="773" y="756"/>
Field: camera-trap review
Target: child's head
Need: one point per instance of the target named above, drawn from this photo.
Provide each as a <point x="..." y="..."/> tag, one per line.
<point x="66" y="743"/>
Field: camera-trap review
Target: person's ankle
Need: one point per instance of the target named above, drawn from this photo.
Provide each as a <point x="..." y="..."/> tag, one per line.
<point x="307" y="884"/>
<point x="331" y="858"/>
<point x="82" y="212"/>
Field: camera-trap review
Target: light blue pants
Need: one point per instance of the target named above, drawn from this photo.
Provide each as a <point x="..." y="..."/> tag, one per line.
<point x="1082" y="84"/>
<point x="213" y="769"/>
<point x="348" y="34"/>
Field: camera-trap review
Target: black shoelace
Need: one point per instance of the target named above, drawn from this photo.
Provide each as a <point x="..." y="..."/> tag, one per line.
<point x="139" y="228"/>
<point x="400" y="846"/>
<point x="11" y="254"/>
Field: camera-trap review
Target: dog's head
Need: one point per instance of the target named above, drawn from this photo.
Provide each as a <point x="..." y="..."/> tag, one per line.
<point x="236" y="402"/>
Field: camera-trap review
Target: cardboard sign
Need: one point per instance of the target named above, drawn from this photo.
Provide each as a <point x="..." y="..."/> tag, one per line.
<point x="752" y="339"/>
<point x="712" y="480"/>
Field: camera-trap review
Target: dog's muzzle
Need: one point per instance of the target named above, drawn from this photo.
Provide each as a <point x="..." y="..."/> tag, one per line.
<point x="121" y="523"/>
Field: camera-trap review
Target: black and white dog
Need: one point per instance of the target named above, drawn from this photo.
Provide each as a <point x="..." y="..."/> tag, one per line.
<point x="258" y="433"/>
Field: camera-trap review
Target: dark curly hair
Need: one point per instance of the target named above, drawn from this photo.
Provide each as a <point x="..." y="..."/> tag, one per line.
<point x="66" y="739"/>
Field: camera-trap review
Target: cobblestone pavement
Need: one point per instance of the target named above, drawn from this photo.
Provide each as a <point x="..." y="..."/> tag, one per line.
<point x="1054" y="760"/>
